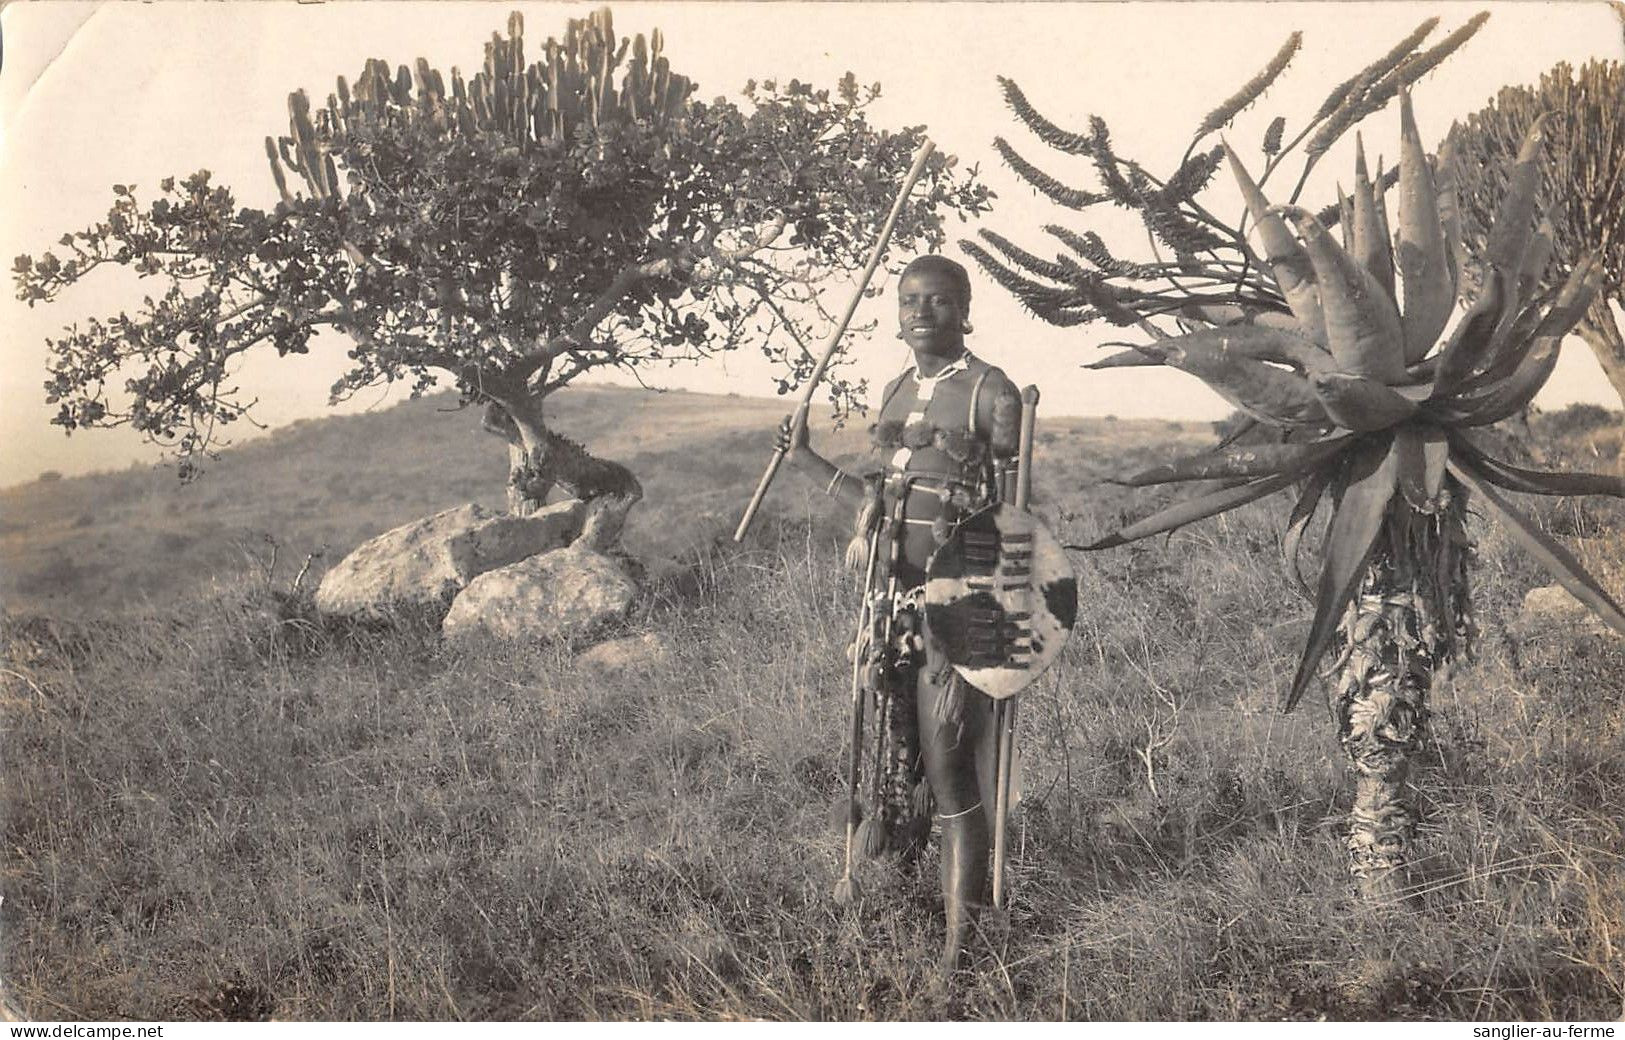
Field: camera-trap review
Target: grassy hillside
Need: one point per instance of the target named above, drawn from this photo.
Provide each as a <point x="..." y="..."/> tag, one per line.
<point x="214" y="807"/>
<point x="121" y="539"/>
<point x="127" y="539"/>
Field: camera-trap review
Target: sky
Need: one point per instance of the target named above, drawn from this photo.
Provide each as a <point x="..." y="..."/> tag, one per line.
<point x="97" y="94"/>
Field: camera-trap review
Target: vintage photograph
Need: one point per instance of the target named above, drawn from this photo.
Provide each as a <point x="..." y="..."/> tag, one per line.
<point x="794" y="511"/>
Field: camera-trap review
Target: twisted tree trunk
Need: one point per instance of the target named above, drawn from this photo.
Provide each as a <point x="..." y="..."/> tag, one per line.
<point x="1410" y="617"/>
<point x="540" y="460"/>
<point x="1601" y="332"/>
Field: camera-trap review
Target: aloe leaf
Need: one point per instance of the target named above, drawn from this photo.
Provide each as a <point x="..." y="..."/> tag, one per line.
<point x="1520" y="287"/>
<point x="1449" y="201"/>
<point x="1513" y="393"/>
<point x="1253" y="460"/>
<point x="1345" y="217"/>
<point x="1298" y="523"/>
<point x="1422" y="372"/>
<point x="1361" y="404"/>
<point x="1131" y="358"/>
<point x="1573" y="299"/>
<point x="1505" y="475"/>
<point x="1379" y="196"/>
<point x="1547" y="552"/>
<point x="1526" y="336"/>
<point x="1535" y="259"/>
<point x="1515" y="335"/>
<point x="1362" y="325"/>
<point x="1229" y="361"/>
<point x="1420" y="450"/>
<point x="1243" y="427"/>
<point x="1511" y="345"/>
<point x="1191" y="510"/>
<point x="1473" y="335"/>
<point x="1509" y="237"/>
<point x="1227" y="314"/>
<point x="1287" y="260"/>
<point x="1285" y="346"/>
<point x="1356" y="521"/>
<point x="1370" y="249"/>
<point x="1421" y="253"/>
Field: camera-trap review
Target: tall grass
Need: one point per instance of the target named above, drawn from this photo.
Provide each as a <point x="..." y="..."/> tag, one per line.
<point x="224" y="808"/>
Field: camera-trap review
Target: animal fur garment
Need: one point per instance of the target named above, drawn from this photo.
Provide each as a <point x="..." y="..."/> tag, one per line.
<point x="958" y="444"/>
<point x="1005" y="435"/>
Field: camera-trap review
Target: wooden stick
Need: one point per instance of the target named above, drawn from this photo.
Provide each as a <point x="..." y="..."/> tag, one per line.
<point x="1024" y="452"/>
<point x="1004" y="729"/>
<point x="1004" y="711"/>
<point x="846" y="888"/>
<point x="817" y="376"/>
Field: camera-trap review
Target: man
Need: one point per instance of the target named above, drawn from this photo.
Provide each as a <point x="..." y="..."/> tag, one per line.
<point x="945" y="438"/>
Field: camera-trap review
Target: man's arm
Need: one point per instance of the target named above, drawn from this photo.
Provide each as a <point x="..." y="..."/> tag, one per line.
<point x="845" y="487"/>
<point x="836" y="482"/>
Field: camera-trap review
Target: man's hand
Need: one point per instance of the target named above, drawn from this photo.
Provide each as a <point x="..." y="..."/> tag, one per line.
<point x="791" y="438"/>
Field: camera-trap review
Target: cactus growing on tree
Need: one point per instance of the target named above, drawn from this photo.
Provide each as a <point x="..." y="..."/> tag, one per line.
<point x="1341" y="348"/>
<point x="535" y="222"/>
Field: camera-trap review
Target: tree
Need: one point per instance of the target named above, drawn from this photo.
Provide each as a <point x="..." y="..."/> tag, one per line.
<point x="529" y="225"/>
<point x="1582" y="188"/>
<point x="1375" y="410"/>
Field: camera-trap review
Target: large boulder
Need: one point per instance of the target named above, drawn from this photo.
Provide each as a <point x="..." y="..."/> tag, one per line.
<point x="421" y="566"/>
<point x="557" y="595"/>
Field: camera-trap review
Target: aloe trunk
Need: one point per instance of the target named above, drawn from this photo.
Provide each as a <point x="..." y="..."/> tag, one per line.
<point x="1408" y="620"/>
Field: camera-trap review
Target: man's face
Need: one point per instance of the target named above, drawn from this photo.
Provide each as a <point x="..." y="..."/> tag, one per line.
<point x="930" y="313"/>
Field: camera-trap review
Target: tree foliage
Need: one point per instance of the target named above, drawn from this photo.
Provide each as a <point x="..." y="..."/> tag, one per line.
<point x="1582" y="184"/>
<point x="534" y="222"/>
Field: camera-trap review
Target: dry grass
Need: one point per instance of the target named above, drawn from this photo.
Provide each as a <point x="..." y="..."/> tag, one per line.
<point x="217" y="808"/>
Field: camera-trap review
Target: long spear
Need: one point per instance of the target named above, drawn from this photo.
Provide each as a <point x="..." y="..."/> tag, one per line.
<point x="800" y="418"/>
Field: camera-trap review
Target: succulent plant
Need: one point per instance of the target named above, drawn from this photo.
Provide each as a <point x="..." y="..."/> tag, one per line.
<point x="572" y="86"/>
<point x="1347" y="350"/>
<point x="1378" y="408"/>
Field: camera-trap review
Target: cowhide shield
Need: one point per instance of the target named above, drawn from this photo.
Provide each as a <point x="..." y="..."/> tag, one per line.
<point x="1000" y="599"/>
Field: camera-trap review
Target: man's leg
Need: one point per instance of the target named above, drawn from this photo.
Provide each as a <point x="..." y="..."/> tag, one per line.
<point x="956" y="741"/>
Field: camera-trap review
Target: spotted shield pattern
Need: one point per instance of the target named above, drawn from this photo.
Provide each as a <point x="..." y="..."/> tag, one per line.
<point x="1000" y="599"/>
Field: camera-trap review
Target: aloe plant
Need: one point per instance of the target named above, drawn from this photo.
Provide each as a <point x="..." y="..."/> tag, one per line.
<point x="1342" y="348"/>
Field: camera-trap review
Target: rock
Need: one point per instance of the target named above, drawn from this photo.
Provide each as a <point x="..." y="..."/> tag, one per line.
<point x="1554" y="605"/>
<point x="556" y="595"/>
<point x="423" y="565"/>
<point x="630" y="654"/>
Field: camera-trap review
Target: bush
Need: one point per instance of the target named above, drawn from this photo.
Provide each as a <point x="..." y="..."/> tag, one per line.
<point x="1576" y="420"/>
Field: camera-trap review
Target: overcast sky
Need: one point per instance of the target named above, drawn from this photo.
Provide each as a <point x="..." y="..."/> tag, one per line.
<point x="97" y="94"/>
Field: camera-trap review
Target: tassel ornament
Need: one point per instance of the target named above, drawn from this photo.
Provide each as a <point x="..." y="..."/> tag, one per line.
<point x="872" y="837"/>
<point x="924" y="804"/>
<point x="857" y="554"/>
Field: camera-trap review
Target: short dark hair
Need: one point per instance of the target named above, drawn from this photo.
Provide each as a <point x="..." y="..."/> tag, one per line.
<point x="942" y="265"/>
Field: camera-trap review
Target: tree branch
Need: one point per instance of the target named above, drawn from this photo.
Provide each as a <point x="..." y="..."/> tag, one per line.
<point x="577" y="336"/>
